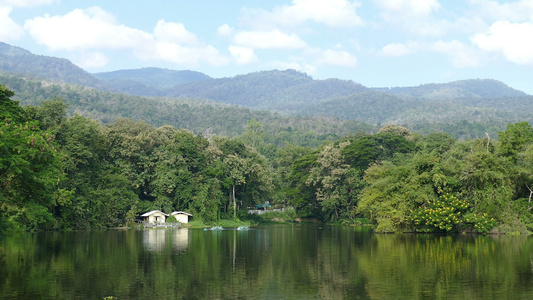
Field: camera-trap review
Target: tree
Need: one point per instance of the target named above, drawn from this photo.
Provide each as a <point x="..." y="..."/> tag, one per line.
<point x="30" y="170"/>
<point x="336" y="183"/>
<point x="9" y="109"/>
<point x="364" y="150"/>
<point x="515" y="139"/>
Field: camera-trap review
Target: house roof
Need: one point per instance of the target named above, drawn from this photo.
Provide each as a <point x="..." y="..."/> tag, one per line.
<point x="181" y="213"/>
<point x="153" y="212"/>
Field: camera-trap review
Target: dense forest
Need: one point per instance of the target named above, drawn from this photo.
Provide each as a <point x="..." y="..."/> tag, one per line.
<point x="74" y="172"/>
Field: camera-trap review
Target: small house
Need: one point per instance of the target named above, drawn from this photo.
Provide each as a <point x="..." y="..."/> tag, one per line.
<point x="181" y="216"/>
<point x="154" y="217"/>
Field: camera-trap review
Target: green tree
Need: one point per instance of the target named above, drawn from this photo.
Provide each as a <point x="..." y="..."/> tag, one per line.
<point x="515" y="139"/>
<point x="30" y="170"/>
<point x="9" y="109"/>
<point x="336" y="183"/>
<point x="371" y="148"/>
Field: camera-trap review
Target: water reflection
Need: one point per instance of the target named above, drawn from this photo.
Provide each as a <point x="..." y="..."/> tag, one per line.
<point x="274" y="262"/>
<point x="180" y="239"/>
<point x="155" y="240"/>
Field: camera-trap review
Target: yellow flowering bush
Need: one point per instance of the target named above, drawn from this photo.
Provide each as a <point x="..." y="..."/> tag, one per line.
<point x="481" y="223"/>
<point x="449" y="213"/>
<point x="442" y="214"/>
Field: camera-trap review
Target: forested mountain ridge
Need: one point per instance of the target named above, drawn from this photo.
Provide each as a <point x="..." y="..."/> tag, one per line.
<point x="270" y="90"/>
<point x="198" y="115"/>
<point x="273" y="90"/>
<point x="20" y="61"/>
<point x="465" y="109"/>
<point x="471" y="88"/>
<point x="148" y="81"/>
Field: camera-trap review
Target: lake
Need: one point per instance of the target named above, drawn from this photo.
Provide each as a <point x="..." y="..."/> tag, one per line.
<point x="270" y="262"/>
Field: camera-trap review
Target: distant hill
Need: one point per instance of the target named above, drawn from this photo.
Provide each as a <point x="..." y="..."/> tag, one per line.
<point x="201" y="116"/>
<point x="471" y="88"/>
<point x="192" y="100"/>
<point x="246" y="90"/>
<point x="277" y="90"/>
<point x="148" y="81"/>
<point x="372" y="107"/>
<point x="19" y="61"/>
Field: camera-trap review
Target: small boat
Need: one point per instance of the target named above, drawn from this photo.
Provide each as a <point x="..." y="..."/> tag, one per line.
<point x="243" y="228"/>
<point x="214" y="228"/>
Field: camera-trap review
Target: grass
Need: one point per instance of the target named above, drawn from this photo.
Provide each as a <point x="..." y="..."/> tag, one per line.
<point x="224" y="223"/>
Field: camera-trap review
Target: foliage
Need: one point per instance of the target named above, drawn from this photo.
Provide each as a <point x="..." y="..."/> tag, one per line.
<point x="444" y="214"/>
<point x="30" y="171"/>
<point x="171" y="219"/>
<point x="480" y="223"/>
<point x="73" y="172"/>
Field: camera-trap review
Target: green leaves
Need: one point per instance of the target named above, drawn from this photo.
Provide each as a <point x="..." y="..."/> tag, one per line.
<point x="30" y="171"/>
<point x="443" y="214"/>
<point x="9" y="109"/>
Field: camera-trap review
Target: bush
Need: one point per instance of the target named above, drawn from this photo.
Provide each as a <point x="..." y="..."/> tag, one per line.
<point x="449" y="213"/>
<point x="172" y="219"/>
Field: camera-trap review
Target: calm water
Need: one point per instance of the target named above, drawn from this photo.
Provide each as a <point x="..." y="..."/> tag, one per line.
<point x="274" y="262"/>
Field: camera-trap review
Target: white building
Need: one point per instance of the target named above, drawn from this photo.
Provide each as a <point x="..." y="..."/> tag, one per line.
<point x="155" y="216"/>
<point x="181" y="216"/>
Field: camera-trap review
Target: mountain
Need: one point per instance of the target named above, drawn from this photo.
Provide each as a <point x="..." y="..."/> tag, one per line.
<point x="20" y="61"/>
<point x="192" y="100"/>
<point x="277" y="90"/>
<point x="245" y="90"/>
<point x="471" y="88"/>
<point x="148" y="81"/>
<point x="200" y="116"/>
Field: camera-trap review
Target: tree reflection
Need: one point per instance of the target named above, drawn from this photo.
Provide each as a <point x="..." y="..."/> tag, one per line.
<point x="285" y="262"/>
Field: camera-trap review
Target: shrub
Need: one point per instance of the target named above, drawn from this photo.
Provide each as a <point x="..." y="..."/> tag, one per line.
<point x="448" y="213"/>
<point x="172" y="219"/>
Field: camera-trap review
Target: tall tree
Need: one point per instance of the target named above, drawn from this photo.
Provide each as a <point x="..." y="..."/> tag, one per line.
<point x="30" y="169"/>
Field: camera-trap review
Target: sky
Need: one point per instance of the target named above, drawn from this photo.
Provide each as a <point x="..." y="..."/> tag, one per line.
<point x="377" y="43"/>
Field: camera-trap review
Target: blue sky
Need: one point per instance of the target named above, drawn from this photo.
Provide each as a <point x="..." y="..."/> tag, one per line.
<point x="379" y="43"/>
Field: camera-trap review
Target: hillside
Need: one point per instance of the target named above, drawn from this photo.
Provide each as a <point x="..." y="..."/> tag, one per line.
<point x="246" y="90"/>
<point x="19" y="61"/>
<point x="201" y="116"/>
<point x="471" y="88"/>
<point x="148" y="81"/>
<point x="192" y="100"/>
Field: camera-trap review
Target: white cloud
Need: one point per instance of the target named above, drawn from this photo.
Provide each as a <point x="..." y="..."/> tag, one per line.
<point x="517" y="11"/>
<point x="274" y="39"/>
<point x="186" y="56"/>
<point x="224" y="30"/>
<point x="92" y="60"/>
<point x="337" y="58"/>
<point x="512" y="40"/>
<point x="26" y="3"/>
<point x="9" y="30"/>
<point x="402" y="8"/>
<point x="174" y="33"/>
<point x="396" y="49"/>
<point x="243" y="55"/>
<point x="414" y="15"/>
<point x="331" y="57"/>
<point x="95" y="29"/>
<point x="92" y="28"/>
<point x="459" y="54"/>
<point x="334" y="13"/>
